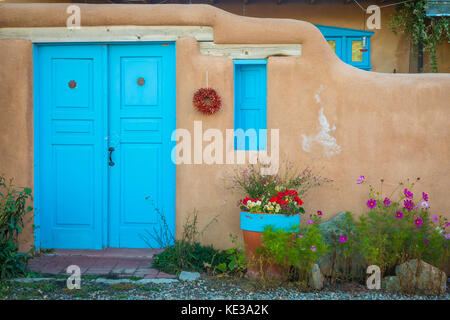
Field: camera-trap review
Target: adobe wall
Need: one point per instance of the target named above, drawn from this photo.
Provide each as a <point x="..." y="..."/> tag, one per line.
<point x="389" y="51"/>
<point x="16" y="118"/>
<point x="390" y="126"/>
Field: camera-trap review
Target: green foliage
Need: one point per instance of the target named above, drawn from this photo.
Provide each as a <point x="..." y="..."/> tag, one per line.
<point x="13" y="207"/>
<point x="295" y="250"/>
<point x="410" y="18"/>
<point x="389" y="235"/>
<point x="236" y="262"/>
<point x="342" y="239"/>
<point x="188" y="256"/>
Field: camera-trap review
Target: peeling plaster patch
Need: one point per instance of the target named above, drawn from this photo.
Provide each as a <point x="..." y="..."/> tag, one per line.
<point x="323" y="137"/>
<point x="317" y="94"/>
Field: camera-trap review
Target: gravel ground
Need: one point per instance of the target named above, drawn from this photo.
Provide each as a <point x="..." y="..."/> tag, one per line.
<point x="206" y="288"/>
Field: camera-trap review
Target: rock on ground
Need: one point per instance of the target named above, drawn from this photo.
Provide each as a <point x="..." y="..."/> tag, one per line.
<point x="189" y="276"/>
<point x="316" y="278"/>
<point x="421" y="277"/>
<point x="391" y="284"/>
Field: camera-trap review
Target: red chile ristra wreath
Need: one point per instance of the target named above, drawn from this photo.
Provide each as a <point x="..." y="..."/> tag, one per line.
<point x="207" y="101"/>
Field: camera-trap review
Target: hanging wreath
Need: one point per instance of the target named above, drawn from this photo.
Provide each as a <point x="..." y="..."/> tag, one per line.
<point x="207" y="101"/>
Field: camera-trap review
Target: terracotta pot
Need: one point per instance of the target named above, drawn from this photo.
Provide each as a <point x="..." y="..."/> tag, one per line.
<point x="252" y="225"/>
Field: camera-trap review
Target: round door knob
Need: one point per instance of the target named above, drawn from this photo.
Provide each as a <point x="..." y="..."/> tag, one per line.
<point x="72" y="84"/>
<point x="140" y="81"/>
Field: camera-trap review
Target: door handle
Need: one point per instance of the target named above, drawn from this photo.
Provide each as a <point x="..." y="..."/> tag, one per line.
<point x="111" y="163"/>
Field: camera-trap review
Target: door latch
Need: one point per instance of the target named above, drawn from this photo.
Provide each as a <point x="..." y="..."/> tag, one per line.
<point x="111" y="163"/>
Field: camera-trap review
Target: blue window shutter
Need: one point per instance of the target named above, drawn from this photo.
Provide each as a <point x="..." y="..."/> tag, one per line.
<point x="343" y="38"/>
<point x="250" y="104"/>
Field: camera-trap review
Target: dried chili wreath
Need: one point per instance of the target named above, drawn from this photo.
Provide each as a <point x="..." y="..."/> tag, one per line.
<point x="207" y="101"/>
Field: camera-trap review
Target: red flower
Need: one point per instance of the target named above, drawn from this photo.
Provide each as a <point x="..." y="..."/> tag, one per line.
<point x="298" y="200"/>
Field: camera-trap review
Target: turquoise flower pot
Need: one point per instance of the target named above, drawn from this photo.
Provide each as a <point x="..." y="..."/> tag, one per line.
<point x="253" y="225"/>
<point x="257" y="222"/>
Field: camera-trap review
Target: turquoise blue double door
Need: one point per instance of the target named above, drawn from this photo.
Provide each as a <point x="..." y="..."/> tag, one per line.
<point x="104" y="115"/>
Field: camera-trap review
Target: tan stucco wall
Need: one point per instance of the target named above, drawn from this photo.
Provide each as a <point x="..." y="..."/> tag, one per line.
<point x="388" y="126"/>
<point x="16" y="118"/>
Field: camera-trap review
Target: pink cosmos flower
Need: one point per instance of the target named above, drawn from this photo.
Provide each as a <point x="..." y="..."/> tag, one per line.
<point x="399" y="214"/>
<point x="343" y="239"/>
<point x="447" y="236"/>
<point x="408" y="205"/>
<point x="371" y="203"/>
<point x="313" y="249"/>
<point x="386" y="202"/>
<point x="425" y="196"/>
<point x="426" y="240"/>
<point x="424" y="204"/>
<point x="408" y="194"/>
<point x="300" y="236"/>
<point x="361" y="179"/>
<point x="446" y="225"/>
<point x="436" y="219"/>
<point x="319" y="213"/>
<point x="418" y="222"/>
<point x="310" y="222"/>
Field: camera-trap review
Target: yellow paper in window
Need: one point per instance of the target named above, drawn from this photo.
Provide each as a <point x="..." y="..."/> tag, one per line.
<point x="357" y="54"/>
<point x="332" y="44"/>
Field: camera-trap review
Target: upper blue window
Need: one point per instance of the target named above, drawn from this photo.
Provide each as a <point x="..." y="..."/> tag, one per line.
<point x="250" y="104"/>
<point x="350" y="45"/>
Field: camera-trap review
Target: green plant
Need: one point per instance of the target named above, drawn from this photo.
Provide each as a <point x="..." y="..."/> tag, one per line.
<point x="393" y="232"/>
<point x="188" y="256"/>
<point x="235" y="259"/>
<point x="295" y="250"/>
<point x="424" y="31"/>
<point x="185" y="253"/>
<point x="13" y="207"/>
<point x="275" y="194"/>
<point x="343" y="262"/>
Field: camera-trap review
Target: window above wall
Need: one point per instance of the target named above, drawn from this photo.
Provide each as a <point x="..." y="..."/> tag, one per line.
<point x="350" y="45"/>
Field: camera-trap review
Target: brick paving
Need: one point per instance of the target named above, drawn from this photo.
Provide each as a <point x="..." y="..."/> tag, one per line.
<point x="110" y="262"/>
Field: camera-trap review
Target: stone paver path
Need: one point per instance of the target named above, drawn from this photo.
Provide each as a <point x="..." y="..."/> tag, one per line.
<point x="111" y="262"/>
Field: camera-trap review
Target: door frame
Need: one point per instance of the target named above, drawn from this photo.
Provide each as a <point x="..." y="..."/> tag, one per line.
<point x="105" y="118"/>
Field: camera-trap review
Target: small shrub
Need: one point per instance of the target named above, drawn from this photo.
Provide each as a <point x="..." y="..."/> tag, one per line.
<point x="13" y="207"/>
<point x="295" y="250"/>
<point x="189" y="257"/>
<point x="235" y="263"/>
<point x="343" y="262"/>
<point x="185" y="253"/>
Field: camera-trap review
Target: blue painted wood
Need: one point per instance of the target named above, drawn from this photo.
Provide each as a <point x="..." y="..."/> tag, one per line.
<point x="257" y="222"/>
<point x="142" y="118"/>
<point x="250" y="104"/>
<point x="70" y="123"/>
<point x="343" y="38"/>
<point x="81" y="202"/>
